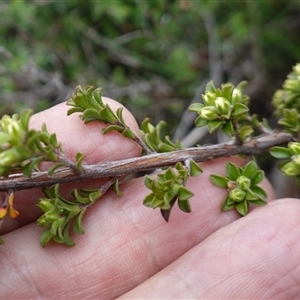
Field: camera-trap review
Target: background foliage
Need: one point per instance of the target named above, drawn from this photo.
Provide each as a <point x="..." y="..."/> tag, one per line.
<point x="154" y="56"/>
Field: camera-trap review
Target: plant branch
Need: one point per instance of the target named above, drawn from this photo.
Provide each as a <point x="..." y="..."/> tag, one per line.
<point x="254" y="146"/>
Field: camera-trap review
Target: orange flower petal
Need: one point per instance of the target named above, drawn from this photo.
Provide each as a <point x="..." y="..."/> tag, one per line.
<point x="3" y="212"/>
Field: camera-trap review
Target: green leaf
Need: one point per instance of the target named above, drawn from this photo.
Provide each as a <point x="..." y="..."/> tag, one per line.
<point x="219" y="180"/>
<point x="66" y="235"/>
<point x="259" y="176"/>
<point x="128" y="133"/>
<point x="184" y="193"/>
<point x="199" y="122"/>
<point x="250" y="169"/>
<point x="112" y="128"/>
<point x="79" y="159"/>
<point x="242" y="207"/>
<point x="259" y="191"/>
<point x="95" y="195"/>
<point x="195" y="169"/>
<point x="239" y="109"/>
<point x="78" y="227"/>
<point x="232" y="171"/>
<point x="196" y="107"/>
<point x="280" y="152"/>
<point x="148" y="201"/>
<point x="212" y="126"/>
<point x="258" y="202"/>
<point x="115" y="188"/>
<point x="184" y="205"/>
<point x="228" y="129"/>
<point x="29" y="167"/>
<point x="90" y="115"/>
<point x="46" y="237"/>
<point x="228" y="204"/>
<point x="244" y="132"/>
<point x="53" y="168"/>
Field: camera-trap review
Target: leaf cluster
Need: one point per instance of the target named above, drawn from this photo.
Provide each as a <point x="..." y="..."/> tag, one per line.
<point x="22" y="149"/>
<point x="221" y="108"/>
<point x="60" y="214"/>
<point x="89" y="102"/>
<point x="242" y="186"/>
<point x="169" y="187"/>
<point x="152" y="137"/>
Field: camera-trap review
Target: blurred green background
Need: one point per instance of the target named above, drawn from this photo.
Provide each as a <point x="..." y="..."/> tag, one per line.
<point x="154" y="56"/>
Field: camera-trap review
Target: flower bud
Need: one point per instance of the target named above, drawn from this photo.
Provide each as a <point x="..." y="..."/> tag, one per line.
<point x="223" y="106"/>
<point x="294" y="147"/>
<point x="296" y="69"/>
<point x="209" y="98"/>
<point x="237" y="195"/>
<point x="291" y="169"/>
<point x="9" y="157"/>
<point x="243" y="182"/>
<point x="296" y="159"/>
<point x="208" y="113"/>
<point x="45" y="205"/>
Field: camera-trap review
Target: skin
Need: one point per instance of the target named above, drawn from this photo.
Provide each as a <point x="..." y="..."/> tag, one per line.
<point x="129" y="251"/>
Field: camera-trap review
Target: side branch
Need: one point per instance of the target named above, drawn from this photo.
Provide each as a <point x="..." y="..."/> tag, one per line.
<point x="254" y="146"/>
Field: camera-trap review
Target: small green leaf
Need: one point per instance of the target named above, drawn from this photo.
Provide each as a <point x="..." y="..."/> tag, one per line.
<point x="46" y="237"/>
<point x="199" y="122"/>
<point x="78" y="227"/>
<point x="212" y="126"/>
<point x="228" y="129"/>
<point x="128" y="133"/>
<point x="228" y="204"/>
<point x="244" y="132"/>
<point x="195" y="169"/>
<point x="79" y="159"/>
<point x="115" y="188"/>
<point x="280" y="152"/>
<point x="184" y="205"/>
<point x="66" y="235"/>
<point x="259" y="191"/>
<point x="232" y="171"/>
<point x="239" y="109"/>
<point x="196" y="107"/>
<point x="250" y="169"/>
<point x="258" y="202"/>
<point x="148" y="201"/>
<point x="219" y="180"/>
<point x="259" y="176"/>
<point x="112" y="128"/>
<point x="242" y="207"/>
<point x="53" y="168"/>
<point x="184" y="193"/>
<point x="95" y="195"/>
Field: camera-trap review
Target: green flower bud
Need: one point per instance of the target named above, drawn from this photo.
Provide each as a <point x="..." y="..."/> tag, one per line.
<point x="11" y="126"/>
<point x="294" y="147"/>
<point x="297" y="69"/>
<point x="209" y="98"/>
<point x="237" y="195"/>
<point x="296" y="159"/>
<point x="9" y="157"/>
<point x="291" y="169"/>
<point x="291" y="84"/>
<point x="45" y="205"/>
<point x="223" y="106"/>
<point x="208" y="113"/>
<point x="243" y="182"/>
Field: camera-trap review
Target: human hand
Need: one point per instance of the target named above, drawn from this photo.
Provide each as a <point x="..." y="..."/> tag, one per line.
<point x="128" y="250"/>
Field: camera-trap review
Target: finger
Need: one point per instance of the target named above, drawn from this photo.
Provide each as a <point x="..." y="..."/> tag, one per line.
<point x="125" y="243"/>
<point x="75" y="136"/>
<point x="256" y="257"/>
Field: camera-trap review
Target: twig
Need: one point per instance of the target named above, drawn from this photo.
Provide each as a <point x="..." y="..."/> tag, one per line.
<point x="254" y="146"/>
